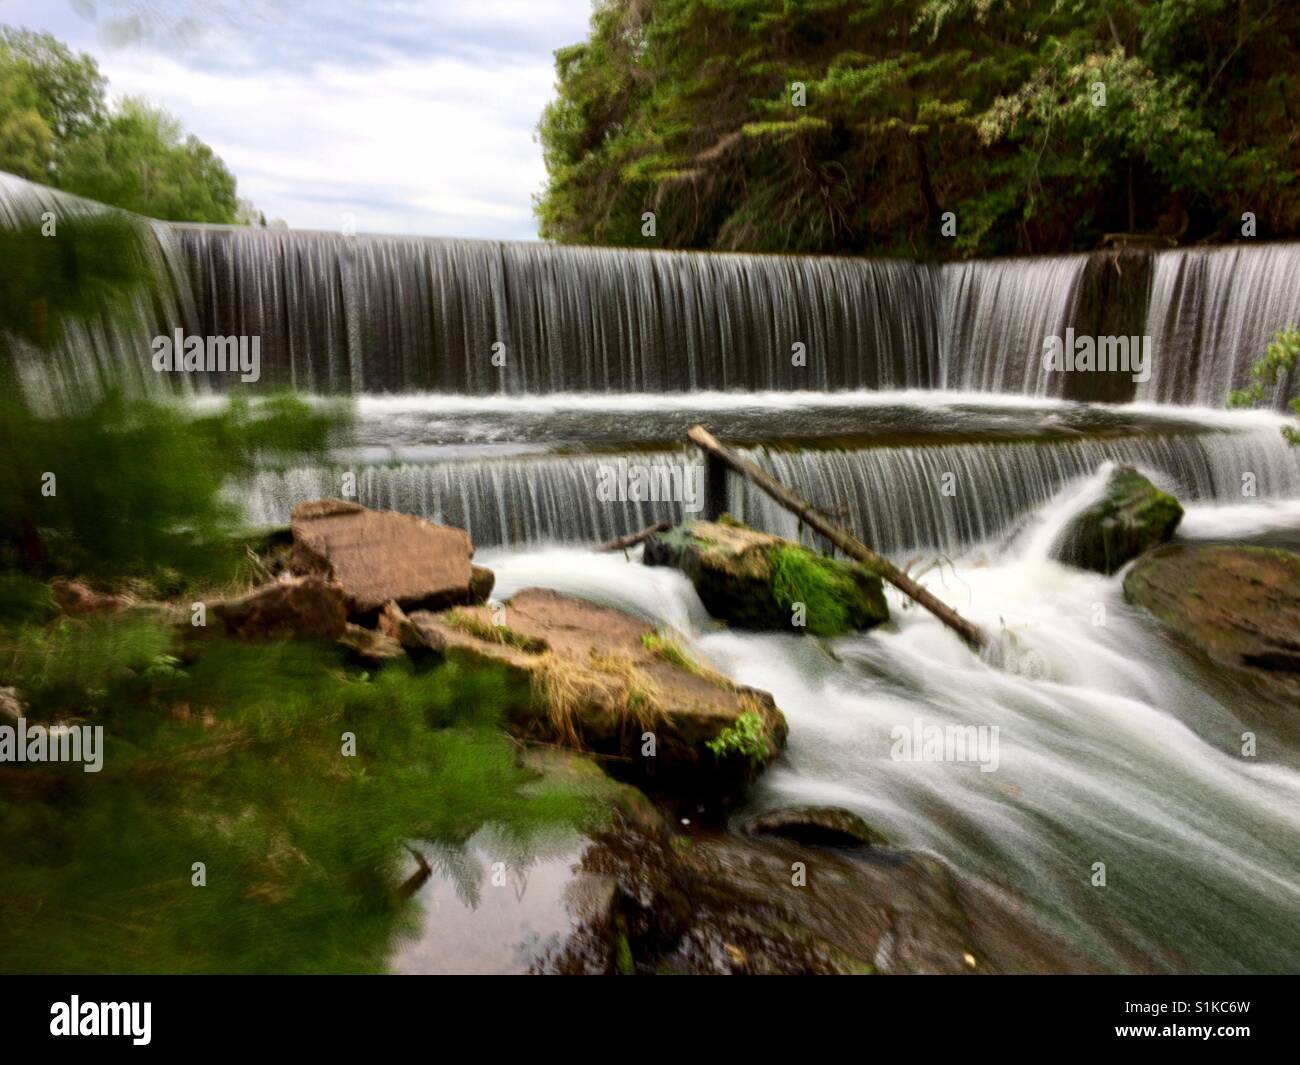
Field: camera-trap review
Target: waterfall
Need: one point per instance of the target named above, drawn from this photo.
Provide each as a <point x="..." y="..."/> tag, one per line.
<point x="994" y="316"/>
<point x="1213" y="312"/>
<point x="373" y="314"/>
<point x="369" y="314"/>
<point x="389" y="314"/>
<point x="104" y="352"/>
<point x="892" y="496"/>
<point x="896" y="497"/>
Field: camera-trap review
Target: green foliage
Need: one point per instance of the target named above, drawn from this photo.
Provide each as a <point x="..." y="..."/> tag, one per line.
<point x="138" y="486"/>
<point x="919" y="107"/>
<point x="745" y="738"/>
<point x="139" y="160"/>
<point x="56" y="128"/>
<point x="799" y="576"/>
<point x="238" y="761"/>
<point x="1278" y="364"/>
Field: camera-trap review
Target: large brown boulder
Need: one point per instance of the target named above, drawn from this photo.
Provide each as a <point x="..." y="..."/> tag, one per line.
<point x="600" y="680"/>
<point x="289" y="607"/>
<point x="1240" y="606"/>
<point x="381" y="555"/>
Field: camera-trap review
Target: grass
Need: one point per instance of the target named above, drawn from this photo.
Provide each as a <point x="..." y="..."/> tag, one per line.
<point x="665" y="646"/>
<point x="236" y="760"/>
<point x="490" y="633"/>
<point x="565" y="690"/>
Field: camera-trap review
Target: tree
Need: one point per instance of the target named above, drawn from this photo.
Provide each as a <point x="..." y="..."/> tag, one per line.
<point x="832" y="125"/>
<point x="56" y="128"/>
<point x="1277" y="366"/>
<point x="139" y="160"/>
<point x="67" y="90"/>
<point x="26" y="142"/>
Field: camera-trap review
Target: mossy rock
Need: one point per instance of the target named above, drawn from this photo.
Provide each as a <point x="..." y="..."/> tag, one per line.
<point x="1132" y="517"/>
<point x="754" y="580"/>
<point x="594" y="679"/>
<point x="1237" y="605"/>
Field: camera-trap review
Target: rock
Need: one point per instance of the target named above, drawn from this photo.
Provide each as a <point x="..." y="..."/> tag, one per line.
<point x="77" y="597"/>
<point x="596" y="679"/>
<point x="752" y="579"/>
<point x="372" y="646"/>
<point x="1132" y="517"/>
<point x="481" y="582"/>
<point x="11" y="706"/>
<point x="380" y="555"/>
<point x="291" y="606"/>
<point x="720" y="904"/>
<point x="1240" y="606"/>
<point x="826" y="826"/>
<point x="581" y="773"/>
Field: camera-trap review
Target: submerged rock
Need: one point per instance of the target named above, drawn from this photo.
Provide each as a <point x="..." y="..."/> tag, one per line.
<point x="581" y="773"/>
<point x="722" y="904"/>
<point x="1132" y="517"/>
<point x="1240" y="606"/>
<point x="597" y="679"/>
<point x="381" y="555"/>
<point x="754" y="580"/>
<point x="827" y="826"/>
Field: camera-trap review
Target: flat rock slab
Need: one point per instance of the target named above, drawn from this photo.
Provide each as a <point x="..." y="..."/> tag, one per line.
<point x="1240" y="606"/>
<point x="600" y="680"/>
<point x="381" y="555"/>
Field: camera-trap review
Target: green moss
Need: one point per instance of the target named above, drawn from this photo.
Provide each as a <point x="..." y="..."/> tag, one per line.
<point x="820" y="584"/>
<point x="623" y="949"/>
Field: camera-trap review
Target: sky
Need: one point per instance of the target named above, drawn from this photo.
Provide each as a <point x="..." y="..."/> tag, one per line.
<point x="396" y="116"/>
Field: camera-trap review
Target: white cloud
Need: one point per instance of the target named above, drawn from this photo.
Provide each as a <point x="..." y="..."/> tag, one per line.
<point x="425" y="127"/>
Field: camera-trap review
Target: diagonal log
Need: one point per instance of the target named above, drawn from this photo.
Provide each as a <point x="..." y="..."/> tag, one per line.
<point x="971" y="634"/>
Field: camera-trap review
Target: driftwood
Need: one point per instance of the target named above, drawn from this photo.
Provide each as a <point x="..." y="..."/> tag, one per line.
<point x="971" y="633"/>
<point x="631" y="540"/>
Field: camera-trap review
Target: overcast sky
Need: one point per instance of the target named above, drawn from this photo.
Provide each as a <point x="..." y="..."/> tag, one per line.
<point x="415" y="116"/>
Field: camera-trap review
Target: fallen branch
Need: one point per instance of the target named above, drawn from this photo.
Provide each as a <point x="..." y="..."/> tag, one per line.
<point x="631" y="540"/>
<point x="971" y="634"/>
